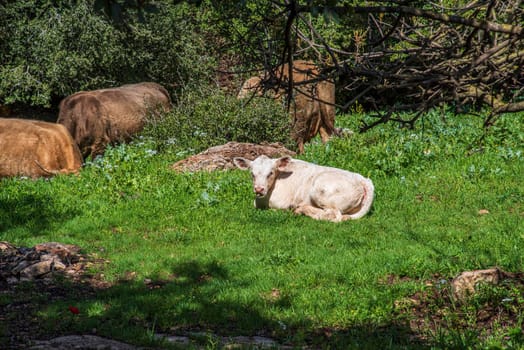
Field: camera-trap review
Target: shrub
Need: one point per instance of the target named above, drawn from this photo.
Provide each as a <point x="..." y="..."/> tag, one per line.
<point x="207" y="117"/>
<point x="167" y="47"/>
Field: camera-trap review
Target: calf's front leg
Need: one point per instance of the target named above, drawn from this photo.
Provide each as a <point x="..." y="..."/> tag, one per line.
<point x="333" y="215"/>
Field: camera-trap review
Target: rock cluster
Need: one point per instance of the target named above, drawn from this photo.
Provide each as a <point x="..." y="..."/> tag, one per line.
<point x="39" y="262"/>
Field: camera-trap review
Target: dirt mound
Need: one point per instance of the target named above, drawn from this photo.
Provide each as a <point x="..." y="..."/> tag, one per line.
<point x="221" y="157"/>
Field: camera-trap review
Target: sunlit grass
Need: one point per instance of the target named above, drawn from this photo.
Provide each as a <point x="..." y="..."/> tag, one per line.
<point x="232" y="269"/>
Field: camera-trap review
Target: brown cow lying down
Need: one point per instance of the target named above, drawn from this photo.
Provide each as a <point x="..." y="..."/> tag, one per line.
<point x="321" y="192"/>
<point x="312" y="110"/>
<point x="98" y="118"/>
<point x="34" y="148"/>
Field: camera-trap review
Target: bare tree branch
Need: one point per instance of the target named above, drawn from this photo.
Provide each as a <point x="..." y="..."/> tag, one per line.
<point x="405" y="10"/>
<point x="414" y="59"/>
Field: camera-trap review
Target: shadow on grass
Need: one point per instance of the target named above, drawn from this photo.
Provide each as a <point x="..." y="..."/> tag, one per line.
<point x="192" y="300"/>
<point x="36" y="211"/>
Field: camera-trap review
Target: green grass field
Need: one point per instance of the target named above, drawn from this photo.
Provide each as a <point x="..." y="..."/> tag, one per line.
<point x="233" y="270"/>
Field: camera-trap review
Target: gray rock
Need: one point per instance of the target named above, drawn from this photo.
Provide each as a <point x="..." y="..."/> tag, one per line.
<point x="7" y="248"/>
<point x="466" y="283"/>
<point x="82" y="342"/>
<point x="36" y="270"/>
<point x="20" y="266"/>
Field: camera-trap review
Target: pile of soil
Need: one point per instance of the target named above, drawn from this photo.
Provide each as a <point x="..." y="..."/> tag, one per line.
<point x="221" y="157"/>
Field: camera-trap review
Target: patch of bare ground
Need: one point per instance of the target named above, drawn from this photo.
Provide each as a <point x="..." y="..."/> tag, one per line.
<point x="488" y="306"/>
<point x="29" y="277"/>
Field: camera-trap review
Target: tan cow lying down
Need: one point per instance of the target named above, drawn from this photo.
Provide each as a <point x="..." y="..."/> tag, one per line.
<point x="323" y="193"/>
<point x="34" y="148"/>
<point x="98" y="118"/>
<point x="313" y="109"/>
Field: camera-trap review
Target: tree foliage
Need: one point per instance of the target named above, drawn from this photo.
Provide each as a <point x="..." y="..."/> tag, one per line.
<point x="51" y="49"/>
<point x="387" y="56"/>
<point x="394" y="57"/>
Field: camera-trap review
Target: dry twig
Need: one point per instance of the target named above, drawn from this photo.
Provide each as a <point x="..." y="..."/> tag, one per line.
<point x="416" y="59"/>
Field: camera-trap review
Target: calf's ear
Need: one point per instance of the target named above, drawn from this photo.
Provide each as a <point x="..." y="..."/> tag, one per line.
<point x="242" y="163"/>
<point x="282" y="163"/>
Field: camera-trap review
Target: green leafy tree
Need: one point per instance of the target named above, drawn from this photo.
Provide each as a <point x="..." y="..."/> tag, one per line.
<point x="57" y="50"/>
<point x="51" y="49"/>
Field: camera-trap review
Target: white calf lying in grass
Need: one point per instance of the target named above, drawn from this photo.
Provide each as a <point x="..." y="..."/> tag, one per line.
<point x="320" y="192"/>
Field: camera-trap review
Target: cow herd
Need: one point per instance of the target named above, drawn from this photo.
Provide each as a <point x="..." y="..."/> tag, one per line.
<point x="89" y="121"/>
<point x="35" y="148"/>
<point x="98" y="118"/>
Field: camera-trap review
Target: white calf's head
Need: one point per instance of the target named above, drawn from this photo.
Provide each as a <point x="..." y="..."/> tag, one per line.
<point x="264" y="171"/>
